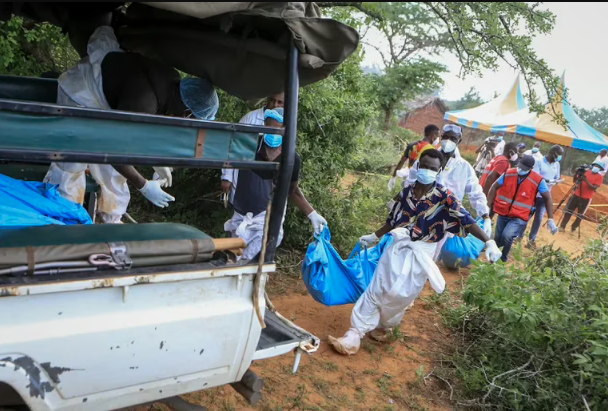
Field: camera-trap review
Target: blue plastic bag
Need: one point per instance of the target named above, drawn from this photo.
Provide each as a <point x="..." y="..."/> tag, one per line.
<point x="460" y="251"/>
<point x="31" y="203"/>
<point x="334" y="281"/>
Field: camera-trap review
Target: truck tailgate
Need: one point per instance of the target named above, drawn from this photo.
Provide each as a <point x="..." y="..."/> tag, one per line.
<point x="281" y="336"/>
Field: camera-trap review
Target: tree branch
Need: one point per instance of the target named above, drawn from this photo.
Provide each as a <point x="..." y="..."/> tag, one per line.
<point x="357" y="5"/>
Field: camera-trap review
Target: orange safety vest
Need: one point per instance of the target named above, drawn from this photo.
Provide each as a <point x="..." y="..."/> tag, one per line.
<point x="418" y="148"/>
<point x="489" y="168"/>
<point x="515" y="200"/>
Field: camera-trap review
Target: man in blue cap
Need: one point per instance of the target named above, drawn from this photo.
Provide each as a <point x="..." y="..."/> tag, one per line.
<point x="109" y="78"/>
<point x="254" y="188"/>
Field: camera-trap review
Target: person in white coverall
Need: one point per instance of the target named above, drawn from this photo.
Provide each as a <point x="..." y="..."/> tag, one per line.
<point x="458" y="176"/>
<point x="254" y="118"/>
<point x="109" y="78"/>
<point x="254" y="189"/>
<point x="425" y="212"/>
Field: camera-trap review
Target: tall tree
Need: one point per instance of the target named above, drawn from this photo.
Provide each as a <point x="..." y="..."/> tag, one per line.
<point x="469" y="100"/>
<point x="479" y="34"/>
<point x="596" y="118"/>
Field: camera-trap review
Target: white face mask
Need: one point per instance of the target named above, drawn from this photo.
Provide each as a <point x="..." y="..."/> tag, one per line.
<point x="447" y="146"/>
<point x="595" y="170"/>
<point x="437" y="141"/>
<point x="514" y="157"/>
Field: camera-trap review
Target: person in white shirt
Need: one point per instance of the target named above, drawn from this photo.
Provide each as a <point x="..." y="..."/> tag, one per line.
<point x="500" y="146"/>
<point x="458" y="176"/>
<point x="549" y="168"/>
<point x="602" y="159"/>
<point x="535" y="152"/>
<point x="254" y="118"/>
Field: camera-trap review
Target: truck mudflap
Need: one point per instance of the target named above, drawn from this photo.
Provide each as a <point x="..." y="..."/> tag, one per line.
<point x="282" y="336"/>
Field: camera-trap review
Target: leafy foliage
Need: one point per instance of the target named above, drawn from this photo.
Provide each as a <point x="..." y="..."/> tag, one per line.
<point x="535" y="333"/>
<point x="469" y="100"/>
<point x="480" y="34"/>
<point x="596" y="118"/>
<point x="30" y="49"/>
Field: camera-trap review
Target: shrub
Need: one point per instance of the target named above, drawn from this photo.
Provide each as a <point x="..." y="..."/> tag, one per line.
<point x="536" y="333"/>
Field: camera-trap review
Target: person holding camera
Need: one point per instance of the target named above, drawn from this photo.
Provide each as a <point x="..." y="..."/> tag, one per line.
<point x="586" y="182"/>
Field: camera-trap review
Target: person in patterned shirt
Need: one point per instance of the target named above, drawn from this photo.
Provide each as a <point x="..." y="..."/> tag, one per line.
<point x="425" y="212"/>
<point x="427" y="209"/>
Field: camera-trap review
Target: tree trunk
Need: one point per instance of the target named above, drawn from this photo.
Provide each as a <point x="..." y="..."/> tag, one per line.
<point x="388" y="113"/>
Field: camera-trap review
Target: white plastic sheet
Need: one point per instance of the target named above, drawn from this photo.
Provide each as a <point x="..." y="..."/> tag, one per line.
<point x="403" y="270"/>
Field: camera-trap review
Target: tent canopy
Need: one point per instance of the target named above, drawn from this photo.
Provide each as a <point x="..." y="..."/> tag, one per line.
<point x="509" y="113"/>
<point x="484" y="117"/>
<point x="577" y="133"/>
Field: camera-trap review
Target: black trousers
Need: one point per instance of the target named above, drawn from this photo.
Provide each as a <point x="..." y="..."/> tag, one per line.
<point x="575" y="203"/>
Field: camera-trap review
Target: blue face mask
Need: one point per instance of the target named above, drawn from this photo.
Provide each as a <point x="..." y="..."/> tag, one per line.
<point x="426" y="176"/>
<point x="595" y="170"/>
<point x="522" y="172"/>
<point x="559" y="158"/>
<point x="273" y="140"/>
<point x="535" y="150"/>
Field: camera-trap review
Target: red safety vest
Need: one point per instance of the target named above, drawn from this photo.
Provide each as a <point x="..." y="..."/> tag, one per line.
<point x="489" y="168"/>
<point x="517" y="200"/>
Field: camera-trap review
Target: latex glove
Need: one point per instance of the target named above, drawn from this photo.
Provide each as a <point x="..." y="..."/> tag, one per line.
<point x="164" y="173"/>
<point x="403" y="173"/>
<point x="487" y="226"/>
<point x="368" y="240"/>
<point x="551" y="225"/>
<point x="318" y="222"/>
<point x="493" y="253"/>
<point x="391" y="184"/>
<point x="153" y="192"/>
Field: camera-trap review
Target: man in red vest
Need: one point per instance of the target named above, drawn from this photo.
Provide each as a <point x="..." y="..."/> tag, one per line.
<point x="586" y="186"/>
<point x="498" y="166"/>
<point x="513" y="197"/>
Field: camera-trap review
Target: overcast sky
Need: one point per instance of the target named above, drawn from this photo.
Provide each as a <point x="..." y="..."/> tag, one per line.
<point x="575" y="45"/>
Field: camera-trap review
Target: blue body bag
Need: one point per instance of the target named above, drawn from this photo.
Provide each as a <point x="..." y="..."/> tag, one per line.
<point x="31" y="203"/>
<point x="460" y="251"/>
<point x="334" y="281"/>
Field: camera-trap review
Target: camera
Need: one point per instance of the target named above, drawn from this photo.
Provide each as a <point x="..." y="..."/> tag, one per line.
<point x="580" y="171"/>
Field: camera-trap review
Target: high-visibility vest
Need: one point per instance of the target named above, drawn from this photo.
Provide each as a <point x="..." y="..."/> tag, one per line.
<point x="515" y="200"/>
<point x="489" y="168"/>
<point x="418" y="148"/>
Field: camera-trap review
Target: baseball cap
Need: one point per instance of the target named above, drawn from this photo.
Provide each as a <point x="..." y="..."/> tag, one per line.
<point x="526" y="163"/>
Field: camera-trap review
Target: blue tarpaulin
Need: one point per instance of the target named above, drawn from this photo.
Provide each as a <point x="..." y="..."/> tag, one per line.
<point x="334" y="281"/>
<point x="30" y="203"/>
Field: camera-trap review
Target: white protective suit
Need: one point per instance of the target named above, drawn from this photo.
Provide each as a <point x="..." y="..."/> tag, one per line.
<point x="459" y="177"/>
<point x="251" y="229"/>
<point x="399" y="279"/>
<point x="82" y="86"/>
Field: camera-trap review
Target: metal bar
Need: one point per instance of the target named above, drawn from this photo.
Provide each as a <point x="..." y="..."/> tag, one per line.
<point x="96" y="158"/>
<point x="115" y="115"/>
<point x="281" y="192"/>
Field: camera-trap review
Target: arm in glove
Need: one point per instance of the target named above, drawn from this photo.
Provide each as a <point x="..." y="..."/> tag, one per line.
<point x="318" y="222"/>
<point x="487" y="226"/>
<point x="368" y="240"/>
<point x="552" y="226"/>
<point x="403" y="173"/>
<point x="391" y="184"/>
<point x="164" y="173"/>
<point x="153" y="192"/>
<point x="493" y="253"/>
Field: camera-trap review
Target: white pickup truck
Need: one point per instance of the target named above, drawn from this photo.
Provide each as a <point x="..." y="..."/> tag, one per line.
<point x="122" y="337"/>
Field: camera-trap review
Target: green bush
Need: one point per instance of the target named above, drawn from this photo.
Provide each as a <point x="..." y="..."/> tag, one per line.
<point x="536" y="334"/>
